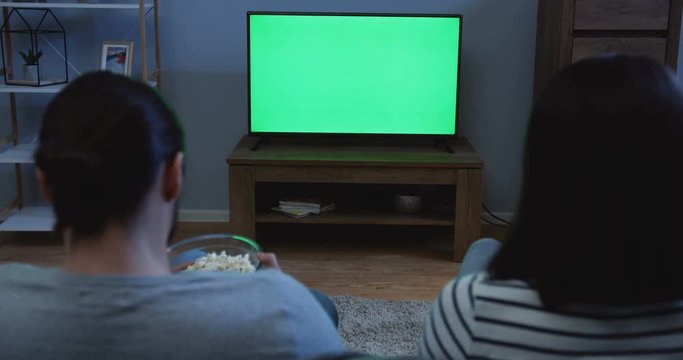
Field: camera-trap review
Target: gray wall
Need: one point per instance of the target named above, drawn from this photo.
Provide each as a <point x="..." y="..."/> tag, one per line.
<point x="204" y="72"/>
<point x="679" y="74"/>
<point x="6" y="171"/>
<point x="204" y="69"/>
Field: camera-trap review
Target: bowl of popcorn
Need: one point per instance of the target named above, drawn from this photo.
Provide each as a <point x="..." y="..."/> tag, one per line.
<point x="215" y="252"/>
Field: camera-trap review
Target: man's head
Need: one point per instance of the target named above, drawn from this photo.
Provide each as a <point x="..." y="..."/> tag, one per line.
<point x="109" y="147"/>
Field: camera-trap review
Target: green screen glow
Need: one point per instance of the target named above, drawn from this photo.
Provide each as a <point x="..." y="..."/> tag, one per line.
<point x="353" y="74"/>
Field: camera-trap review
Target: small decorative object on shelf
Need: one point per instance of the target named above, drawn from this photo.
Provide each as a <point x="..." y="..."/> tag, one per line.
<point x="31" y="64"/>
<point x="117" y="57"/>
<point x="407" y="204"/>
<point x="41" y="40"/>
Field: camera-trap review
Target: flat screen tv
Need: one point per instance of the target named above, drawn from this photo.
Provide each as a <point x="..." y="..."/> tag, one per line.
<point x="328" y="73"/>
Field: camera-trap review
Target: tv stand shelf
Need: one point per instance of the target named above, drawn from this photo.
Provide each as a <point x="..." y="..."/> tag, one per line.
<point x="357" y="217"/>
<point x="371" y="172"/>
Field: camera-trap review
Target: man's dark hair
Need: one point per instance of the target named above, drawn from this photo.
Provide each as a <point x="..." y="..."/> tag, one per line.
<point x="598" y="221"/>
<point x="102" y="142"/>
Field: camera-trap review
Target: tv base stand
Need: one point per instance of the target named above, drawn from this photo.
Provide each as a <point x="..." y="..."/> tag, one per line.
<point x="260" y="140"/>
<point x="357" y="173"/>
<point x="442" y="144"/>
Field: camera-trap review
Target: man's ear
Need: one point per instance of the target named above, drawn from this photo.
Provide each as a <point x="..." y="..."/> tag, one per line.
<point x="173" y="178"/>
<point x="45" y="188"/>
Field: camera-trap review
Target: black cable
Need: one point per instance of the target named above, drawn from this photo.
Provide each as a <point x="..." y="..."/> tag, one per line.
<point x="494" y="216"/>
<point x="492" y="223"/>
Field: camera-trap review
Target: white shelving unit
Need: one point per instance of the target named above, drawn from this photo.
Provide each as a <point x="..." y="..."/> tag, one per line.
<point x="19" y="154"/>
<point x="56" y="5"/>
<point x="21" y="218"/>
<point x="50" y="89"/>
<point x="29" y="219"/>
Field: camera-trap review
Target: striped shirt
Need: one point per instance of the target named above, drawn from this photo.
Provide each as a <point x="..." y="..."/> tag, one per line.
<point x="478" y="318"/>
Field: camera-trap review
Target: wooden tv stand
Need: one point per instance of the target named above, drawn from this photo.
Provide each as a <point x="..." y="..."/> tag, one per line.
<point x="365" y="171"/>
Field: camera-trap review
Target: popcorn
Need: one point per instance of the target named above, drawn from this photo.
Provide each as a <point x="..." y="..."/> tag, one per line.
<point x="222" y="262"/>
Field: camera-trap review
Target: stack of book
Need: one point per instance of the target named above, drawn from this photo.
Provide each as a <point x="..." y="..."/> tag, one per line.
<point x="298" y="208"/>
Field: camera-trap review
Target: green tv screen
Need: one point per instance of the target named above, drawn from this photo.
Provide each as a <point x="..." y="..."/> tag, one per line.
<point x="353" y="73"/>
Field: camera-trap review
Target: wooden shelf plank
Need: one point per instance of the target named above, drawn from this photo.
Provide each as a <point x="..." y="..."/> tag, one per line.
<point x="20" y="154"/>
<point x="360" y="217"/>
<point x="72" y="5"/>
<point x="29" y="219"/>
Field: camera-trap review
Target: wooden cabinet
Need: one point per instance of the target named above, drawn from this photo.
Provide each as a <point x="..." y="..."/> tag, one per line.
<point x="622" y="14"/>
<point x="361" y="181"/>
<point x="589" y="47"/>
<point x="571" y="30"/>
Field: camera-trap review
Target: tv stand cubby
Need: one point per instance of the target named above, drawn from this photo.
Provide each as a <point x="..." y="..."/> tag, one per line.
<point x="361" y="180"/>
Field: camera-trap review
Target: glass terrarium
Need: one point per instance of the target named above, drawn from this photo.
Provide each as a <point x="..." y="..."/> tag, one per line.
<point x="33" y="44"/>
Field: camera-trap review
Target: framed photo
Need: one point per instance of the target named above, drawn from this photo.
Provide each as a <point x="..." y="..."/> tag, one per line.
<point x="117" y="57"/>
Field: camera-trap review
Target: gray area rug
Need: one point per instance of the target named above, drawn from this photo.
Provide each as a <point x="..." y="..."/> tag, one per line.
<point x="381" y="327"/>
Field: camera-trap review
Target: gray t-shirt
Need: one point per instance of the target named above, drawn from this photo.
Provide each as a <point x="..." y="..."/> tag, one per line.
<point x="49" y="314"/>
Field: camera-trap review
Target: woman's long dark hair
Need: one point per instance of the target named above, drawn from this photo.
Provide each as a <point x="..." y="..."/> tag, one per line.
<point x="599" y="217"/>
<point x="102" y="142"/>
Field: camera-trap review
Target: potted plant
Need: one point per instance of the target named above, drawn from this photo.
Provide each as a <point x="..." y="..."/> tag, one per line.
<point x="31" y="64"/>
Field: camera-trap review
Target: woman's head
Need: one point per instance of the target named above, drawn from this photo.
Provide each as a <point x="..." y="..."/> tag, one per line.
<point x="102" y="143"/>
<point x="602" y="188"/>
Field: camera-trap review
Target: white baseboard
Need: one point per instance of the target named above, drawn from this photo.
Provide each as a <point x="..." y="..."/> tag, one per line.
<point x="203" y="216"/>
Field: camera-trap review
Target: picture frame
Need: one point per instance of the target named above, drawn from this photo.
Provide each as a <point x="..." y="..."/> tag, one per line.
<point x="117" y="57"/>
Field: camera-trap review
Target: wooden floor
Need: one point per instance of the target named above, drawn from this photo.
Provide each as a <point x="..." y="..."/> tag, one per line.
<point x="380" y="262"/>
